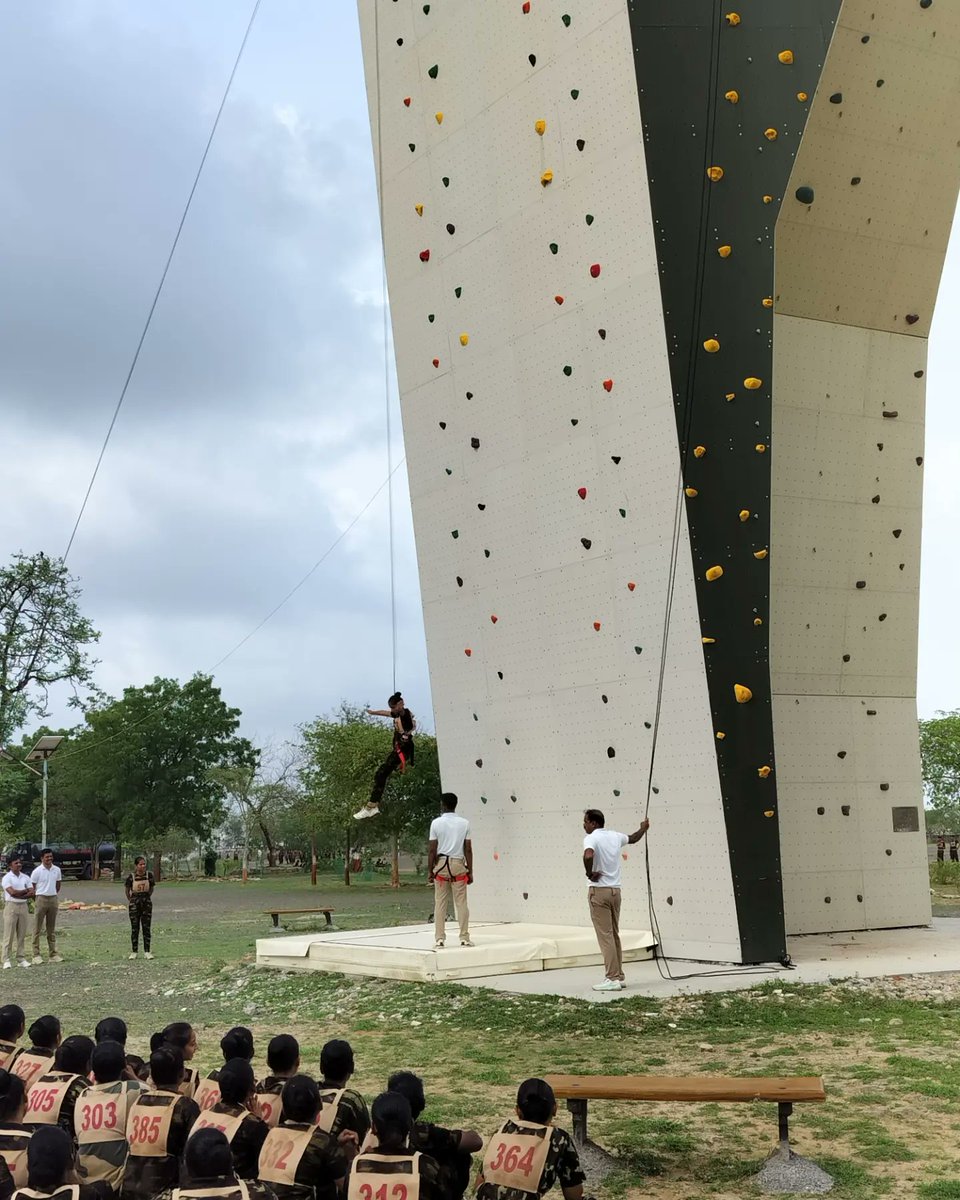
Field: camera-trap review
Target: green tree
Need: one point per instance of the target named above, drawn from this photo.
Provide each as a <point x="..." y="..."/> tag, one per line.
<point x="43" y="638"/>
<point x="152" y="762"/>
<point x="940" y="757"/>
<point x="262" y="793"/>
<point x="341" y="754"/>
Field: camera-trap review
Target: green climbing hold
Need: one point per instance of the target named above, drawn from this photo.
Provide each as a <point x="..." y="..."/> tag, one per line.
<point x="458" y="291"/>
<point x="445" y="181"/>
<point x="575" y="93"/>
<point x="568" y="371"/>
<point x="434" y="71"/>
<point x="589" y="218"/>
<point x="566" y="19"/>
<point x="554" y="248"/>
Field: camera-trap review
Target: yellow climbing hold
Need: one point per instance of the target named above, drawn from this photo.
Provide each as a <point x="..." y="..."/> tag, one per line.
<point x="751" y="383"/>
<point x="760" y="448"/>
<point x="439" y="117"/>
<point x="786" y="57"/>
<point x="730" y="396"/>
<point x="546" y="178"/>
<point x="742" y="693"/>
<point x="419" y="209"/>
<point x="767" y="302"/>
<point x="768" y="812"/>
<point x="714" y="573"/>
<point x="720" y="735"/>
<point x="764" y="772"/>
<point x="768" y="199"/>
<point x="708" y="641"/>
<point x="802" y="97"/>
<point x="771" y="134"/>
<point x="711" y="345"/>
<point x="758" y="621"/>
<point x="715" y="174"/>
<point x="464" y="338"/>
<point x="540" y="127"/>
<point x="690" y="492"/>
<point x="733" y="18"/>
<point x="744" y="514"/>
<point x="760" y="553"/>
<point x="733" y="96"/>
<point x="699" y="451"/>
<point x="724" y="251"/>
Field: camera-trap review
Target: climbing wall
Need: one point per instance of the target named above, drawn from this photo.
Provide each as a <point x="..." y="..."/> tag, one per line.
<point x="585" y="206"/>
<point x="860" y="245"/>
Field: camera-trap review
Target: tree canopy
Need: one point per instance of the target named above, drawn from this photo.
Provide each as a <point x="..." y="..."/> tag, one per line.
<point x="940" y="756"/>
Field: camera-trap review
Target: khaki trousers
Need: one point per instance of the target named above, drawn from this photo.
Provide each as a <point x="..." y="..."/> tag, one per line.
<point x="14" y="929"/>
<point x="605" y="914"/>
<point x="45" y="913"/>
<point x="443" y="887"/>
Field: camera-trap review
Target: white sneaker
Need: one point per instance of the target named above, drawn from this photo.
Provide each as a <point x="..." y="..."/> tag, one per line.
<point x="368" y="810"/>
<point x="623" y="985"/>
<point x="56" y="958"/>
<point x="7" y="966"/>
<point x="147" y="954"/>
<point x="608" y="985"/>
<point x="24" y="963"/>
<point x="133" y="955"/>
<point x="466" y="943"/>
<point x="37" y="960"/>
<point x="438" y="945"/>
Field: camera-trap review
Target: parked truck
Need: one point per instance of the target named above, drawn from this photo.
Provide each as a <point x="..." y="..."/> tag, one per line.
<point x="76" y="862"/>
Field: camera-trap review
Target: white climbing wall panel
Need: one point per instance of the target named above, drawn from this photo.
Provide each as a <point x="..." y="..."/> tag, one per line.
<point x="527" y="719"/>
<point x="857" y="276"/>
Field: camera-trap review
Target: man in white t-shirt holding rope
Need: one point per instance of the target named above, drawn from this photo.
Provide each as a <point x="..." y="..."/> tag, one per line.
<point x="601" y="861"/>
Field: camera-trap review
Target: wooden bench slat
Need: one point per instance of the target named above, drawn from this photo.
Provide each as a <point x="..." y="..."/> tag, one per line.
<point x="706" y="1088"/>
<point x="286" y="912"/>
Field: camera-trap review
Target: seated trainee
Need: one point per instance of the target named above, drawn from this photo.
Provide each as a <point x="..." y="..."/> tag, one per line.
<point x="299" y="1160"/>
<point x="235" y="1043"/>
<point x="528" y="1154"/>
<point x="44" y="1037"/>
<point x="158" y="1125"/>
<point x="111" y="1029"/>
<point x="14" y="1135"/>
<point x="52" y="1170"/>
<point x="283" y="1061"/>
<point x="394" y="1159"/>
<point x="12" y="1024"/>
<point x="343" y="1107"/>
<point x="53" y="1095"/>
<point x="449" y="1148"/>
<point x="208" y="1169"/>
<point x="237" y="1116"/>
<point x="100" y="1117"/>
<point x="182" y="1035"/>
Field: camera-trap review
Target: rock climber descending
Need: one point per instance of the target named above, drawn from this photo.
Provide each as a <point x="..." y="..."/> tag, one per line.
<point x="399" y="758"/>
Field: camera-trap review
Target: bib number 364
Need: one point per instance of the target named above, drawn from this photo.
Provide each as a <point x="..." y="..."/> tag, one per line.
<point x="511" y="1158"/>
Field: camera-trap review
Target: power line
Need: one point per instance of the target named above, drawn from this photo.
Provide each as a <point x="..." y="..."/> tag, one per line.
<point x="163" y="277"/>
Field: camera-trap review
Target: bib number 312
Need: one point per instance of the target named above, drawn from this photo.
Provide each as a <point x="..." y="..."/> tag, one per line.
<point x="397" y="1192"/>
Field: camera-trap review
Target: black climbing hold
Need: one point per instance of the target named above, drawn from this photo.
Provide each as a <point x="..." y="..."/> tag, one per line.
<point x="897" y="532"/>
<point x="445" y="181"/>
<point x="513" y="798"/>
<point x="611" y="753"/>
<point x="841" y="754"/>
<point x="638" y="649"/>
<point x="880" y="83"/>
<point x="880" y="445"/>
<point x="507" y="741"/>
<point x="861" y="584"/>
<point x="554" y="248"/>
<point x="413" y="146"/>
<point x="888" y="853"/>
<point x="920" y="460"/>
<point x="890" y="414"/>
<point x="451" y="229"/>
<point x="443" y="424"/>
<point x="902" y="565"/>
<point x="499" y="674"/>
<point x="568" y="371"/>
<point x="616" y="791"/>
<point x="574" y="421"/>
<point x="884" y="787"/>
<point x="615" y="459"/>
<point x="865" y="38"/>
<point x="574" y="93"/>
<point x="481" y="507"/>
<point x="486" y="554"/>
<point x="912" y="318"/>
<point x="459" y="581"/>
<point x="836" y="98"/>
<point x="871" y="712"/>
<point x="603" y="334"/>
<point x="875" y="499"/>
<point x="586" y="543"/>
<point x="589" y="218"/>
<point x="469" y="395"/>
<point x="826" y="899"/>
<point x="925" y="3"/>
<point x="431" y="317"/>
<point x="479" y="762"/>
<point x="855" y="181"/>
<point x="882" y="617"/>
<point x="448" y="470"/>
<point x="475" y="717"/>
<point x="845" y="809"/>
<point x="580" y="143"/>
<point x="434" y="71"/>
<point x="532" y="60"/>
<point x="525" y="895"/>
<point x="846" y="658"/>
<point x="566" y="19"/>
<point x="656" y="791"/>
<point x="670" y="900"/>
<point x="455" y="533"/>
<point x="918" y="374"/>
<point x="399" y="41"/>
<point x="647" y="725"/>
<point x="604" y="699"/>
<point x="820" y="811"/>
<point x="483" y="799"/>
<point x="622" y="512"/>
<point x="805" y="194"/>
<point x="475" y="443"/>
<point x="426" y="10"/>
<point x="457" y="291"/>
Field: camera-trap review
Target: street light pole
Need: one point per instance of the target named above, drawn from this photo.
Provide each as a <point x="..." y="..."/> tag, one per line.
<point x="43" y="824"/>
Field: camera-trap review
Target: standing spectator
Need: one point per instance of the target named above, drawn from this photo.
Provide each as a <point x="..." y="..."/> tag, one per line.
<point x="450" y="868"/>
<point x="954" y="848"/>
<point x="139" y="888"/>
<point x="941" y="846"/>
<point x="46" y="880"/>
<point x="601" y="861"/>
<point x="17" y="890"/>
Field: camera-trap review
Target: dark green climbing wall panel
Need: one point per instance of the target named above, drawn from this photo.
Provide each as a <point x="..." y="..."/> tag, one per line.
<point x="717" y="88"/>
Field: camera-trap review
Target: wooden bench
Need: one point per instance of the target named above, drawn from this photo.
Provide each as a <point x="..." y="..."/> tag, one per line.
<point x="577" y="1090"/>
<point x="277" y="913"/>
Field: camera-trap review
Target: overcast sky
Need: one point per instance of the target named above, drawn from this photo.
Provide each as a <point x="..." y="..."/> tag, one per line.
<point x="254" y="430"/>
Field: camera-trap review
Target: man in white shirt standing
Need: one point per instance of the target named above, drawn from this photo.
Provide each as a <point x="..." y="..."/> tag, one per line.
<point x="450" y="868"/>
<point x="46" y="880"/>
<point x="601" y="861"/>
<point x="17" y="890"/>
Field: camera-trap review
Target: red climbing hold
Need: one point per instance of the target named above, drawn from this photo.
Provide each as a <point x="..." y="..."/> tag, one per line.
<point x="582" y="493"/>
<point x="595" y="270"/>
<point x="632" y="586"/>
<point x="596" y="626"/>
<point x="526" y="6"/>
<point x="424" y="255"/>
<point x="468" y="652"/>
<point x="436" y="362"/>
<point x="494" y="618"/>
<point x="406" y="101"/>
<point x="608" y="385"/>
<point x="559" y="299"/>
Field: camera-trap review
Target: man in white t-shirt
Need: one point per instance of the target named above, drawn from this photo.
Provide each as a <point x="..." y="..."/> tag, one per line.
<point x="17" y="890"/>
<point x="601" y="861"/>
<point x="46" y="880"/>
<point x="450" y="868"/>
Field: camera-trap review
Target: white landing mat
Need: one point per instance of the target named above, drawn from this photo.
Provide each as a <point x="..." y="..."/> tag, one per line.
<point x="407" y="951"/>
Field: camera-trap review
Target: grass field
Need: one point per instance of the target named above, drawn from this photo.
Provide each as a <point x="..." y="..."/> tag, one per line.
<point x="892" y="1065"/>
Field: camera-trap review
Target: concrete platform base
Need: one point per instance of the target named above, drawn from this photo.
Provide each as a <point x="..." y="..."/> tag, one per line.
<point x="407" y="951"/>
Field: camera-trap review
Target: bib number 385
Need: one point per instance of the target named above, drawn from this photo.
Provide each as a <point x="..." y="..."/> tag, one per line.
<point x="145" y="1131"/>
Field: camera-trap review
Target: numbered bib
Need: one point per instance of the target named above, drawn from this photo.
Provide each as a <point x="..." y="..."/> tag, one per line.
<point x="45" y="1099"/>
<point x="31" y="1066"/>
<point x="99" y="1117"/>
<point x="208" y="1094"/>
<point x="517" y="1159"/>
<point x="148" y="1126"/>
<point x="271" y="1107"/>
<point x="140" y="886"/>
<point x="384" y="1177"/>
<point x="13" y="1150"/>
<point x="225" y="1122"/>
<point x="281" y="1154"/>
<point x="240" y="1192"/>
<point x="7" y="1052"/>
<point x="189" y="1086"/>
<point x="329" y="1108"/>
<point x="69" y="1191"/>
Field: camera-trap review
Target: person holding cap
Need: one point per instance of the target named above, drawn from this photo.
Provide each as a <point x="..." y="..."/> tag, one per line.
<point x="46" y="880"/>
<point x="17" y="890"/>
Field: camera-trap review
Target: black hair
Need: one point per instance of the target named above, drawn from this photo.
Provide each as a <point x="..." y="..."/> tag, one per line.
<point x="396" y="698"/>
<point x="336" y="1060"/>
<point x="12" y="1021"/>
<point x="111" y="1029"/>
<point x="283" y="1052"/>
<point x="178" y="1034"/>
<point x="12" y="1092"/>
<point x="136" y="1064"/>
<point x="448" y="801"/>
<point x="301" y="1098"/>
<point x="14" y="858"/>
<point x="166" y="1066"/>
<point x="536" y="1101"/>
<point x="73" y="1054"/>
<point x="392" y="1120"/>
<point x="45" y="1032"/>
<point x="207" y="1155"/>
<point x="140" y="858"/>
<point x="411" y="1086"/>
<point x="49" y="1158"/>
<point x="237" y="1043"/>
<point x="596" y="816"/>
<point x="236" y="1081"/>
<point x="45" y="850"/>
<point x="108" y="1062"/>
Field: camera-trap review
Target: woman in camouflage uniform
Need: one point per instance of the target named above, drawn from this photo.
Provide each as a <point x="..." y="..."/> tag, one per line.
<point x="528" y="1154"/>
<point x="139" y="888"/>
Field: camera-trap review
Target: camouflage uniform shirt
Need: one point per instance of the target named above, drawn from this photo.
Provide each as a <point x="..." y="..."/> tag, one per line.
<point x="352" y="1111"/>
<point x="322" y="1165"/>
<point x="144" y="1177"/>
<point x="247" y="1141"/>
<point x="562" y="1166"/>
